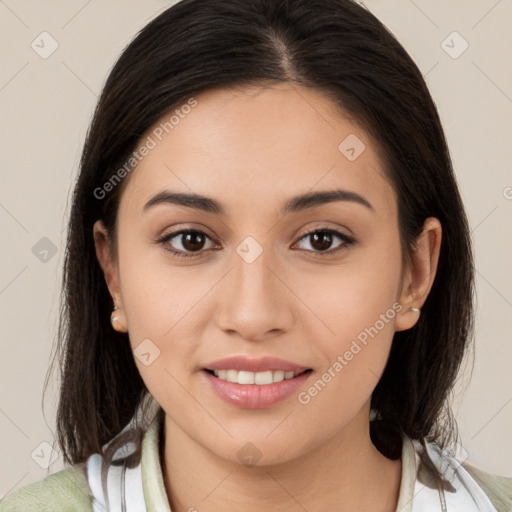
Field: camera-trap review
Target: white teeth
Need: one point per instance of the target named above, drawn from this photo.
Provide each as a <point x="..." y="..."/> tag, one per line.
<point x="246" y="377"/>
<point x="259" y="378"/>
<point x="263" y="378"/>
<point x="278" y="375"/>
<point x="232" y="376"/>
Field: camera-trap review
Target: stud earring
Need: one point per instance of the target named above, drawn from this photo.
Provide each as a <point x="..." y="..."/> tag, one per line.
<point x="414" y="310"/>
<point x="114" y="320"/>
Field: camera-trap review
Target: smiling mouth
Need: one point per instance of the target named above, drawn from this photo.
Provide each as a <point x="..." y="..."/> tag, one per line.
<point x="258" y="378"/>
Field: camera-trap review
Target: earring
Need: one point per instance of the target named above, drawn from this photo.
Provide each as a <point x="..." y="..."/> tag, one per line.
<point x="115" y="320"/>
<point x="414" y="310"/>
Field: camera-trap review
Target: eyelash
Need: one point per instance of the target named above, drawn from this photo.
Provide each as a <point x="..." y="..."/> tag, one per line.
<point x="348" y="241"/>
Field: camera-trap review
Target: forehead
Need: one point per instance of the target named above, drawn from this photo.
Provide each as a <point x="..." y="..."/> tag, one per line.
<point x="258" y="146"/>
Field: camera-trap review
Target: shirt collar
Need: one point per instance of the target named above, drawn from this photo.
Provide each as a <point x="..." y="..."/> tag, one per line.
<point x="408" y="477"/>
<point x="152" y="478"/>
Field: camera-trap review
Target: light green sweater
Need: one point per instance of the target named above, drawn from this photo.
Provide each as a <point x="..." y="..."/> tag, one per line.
<point x="68" y="490"/>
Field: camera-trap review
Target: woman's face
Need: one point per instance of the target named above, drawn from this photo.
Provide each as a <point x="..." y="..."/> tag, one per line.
<point x="315" y="283"/>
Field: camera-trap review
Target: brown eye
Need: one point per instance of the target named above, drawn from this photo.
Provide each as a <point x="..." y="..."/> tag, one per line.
<point x="191" y="241"/>
<point x="321" y="240"/>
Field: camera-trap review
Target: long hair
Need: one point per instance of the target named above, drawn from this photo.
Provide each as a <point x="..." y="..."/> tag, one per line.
<point x="336" y="47"/>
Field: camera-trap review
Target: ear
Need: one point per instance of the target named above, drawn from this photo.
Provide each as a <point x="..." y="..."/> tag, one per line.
<point x="419" y="276"/>
<point x="102" y="244"/>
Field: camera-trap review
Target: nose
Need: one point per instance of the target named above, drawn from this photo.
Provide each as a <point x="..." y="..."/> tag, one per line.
<point x="256" y="302"/>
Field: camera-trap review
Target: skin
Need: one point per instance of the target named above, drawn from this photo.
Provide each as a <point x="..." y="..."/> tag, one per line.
<point x="252" y="149"/>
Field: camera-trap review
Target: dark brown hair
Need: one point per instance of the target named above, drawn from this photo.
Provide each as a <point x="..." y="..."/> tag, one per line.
<point x="336" y="47"/>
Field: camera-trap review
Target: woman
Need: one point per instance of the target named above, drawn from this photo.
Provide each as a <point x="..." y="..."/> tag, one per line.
<point x="268" y="278"/>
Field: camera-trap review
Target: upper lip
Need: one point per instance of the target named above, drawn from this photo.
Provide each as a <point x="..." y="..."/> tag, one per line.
<point x="255" y="365"/>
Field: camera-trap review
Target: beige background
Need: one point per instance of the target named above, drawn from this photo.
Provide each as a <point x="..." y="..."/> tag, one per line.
<point x="46" y="106"/>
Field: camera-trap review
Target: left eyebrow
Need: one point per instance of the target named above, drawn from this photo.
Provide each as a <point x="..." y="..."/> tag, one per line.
<point x="293" y="205"/>
<point x="312" y="199"/>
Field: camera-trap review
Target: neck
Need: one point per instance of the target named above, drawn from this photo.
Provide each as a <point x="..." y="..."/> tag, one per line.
<point x="345" y="473"/>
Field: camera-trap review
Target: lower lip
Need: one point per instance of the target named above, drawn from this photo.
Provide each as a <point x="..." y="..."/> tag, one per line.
<point x="255" y="396"/>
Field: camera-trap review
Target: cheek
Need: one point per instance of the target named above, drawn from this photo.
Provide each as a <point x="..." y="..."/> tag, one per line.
<point x="351" y="297"/>
<point x="358" y="323"/>
<point x="357" y="304"/>
<point x="157" y="294"/>
<point x="160" y="303"/>
<point x="353" y="358"/>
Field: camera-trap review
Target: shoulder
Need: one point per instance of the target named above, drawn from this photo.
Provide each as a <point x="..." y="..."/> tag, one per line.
<point x="62" y="491"/>
<point x="498" y="488"/>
